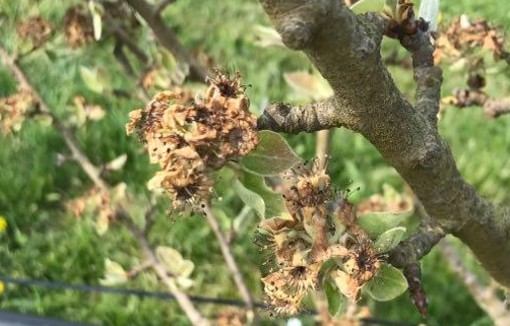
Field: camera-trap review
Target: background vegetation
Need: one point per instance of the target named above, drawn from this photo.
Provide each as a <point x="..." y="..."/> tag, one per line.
<point x="44" y="241"/>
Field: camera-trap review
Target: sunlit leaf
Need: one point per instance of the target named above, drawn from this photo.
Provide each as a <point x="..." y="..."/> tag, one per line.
<point x="114" y="274"/>
<point x="267" y="37"/>
<point x="117" y="164"/>
<point x="364" y="6"/>
<point x="96" y="11"/>
<point x="311" y="85"/>
<point x="95" y="79"/>
<point x="387" y="284"/>
<point x="389" y="239"/>
<point x="379" y="222"/>
<point x="171" y="258"/>
<point x="272" y="156"/>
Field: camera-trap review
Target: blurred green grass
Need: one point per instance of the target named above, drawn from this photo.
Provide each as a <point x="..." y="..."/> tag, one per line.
<point x="44" y="242"/>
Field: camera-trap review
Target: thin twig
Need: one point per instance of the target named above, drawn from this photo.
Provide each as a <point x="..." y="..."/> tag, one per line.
<point x="184" y="301"/>
<point x="485" y="296"/>
<point x="94" y="173"/>
<point x="229" y="257"/>
<point x="322" y="146"/>
<point x="138" y="269"/>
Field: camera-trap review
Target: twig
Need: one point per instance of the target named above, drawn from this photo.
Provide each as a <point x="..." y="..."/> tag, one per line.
<point x="184" y="301"/>
<point x="71" y="142"/>
<point x="322" y="146"/>
<point x="483" y="295"/>
<point x="162" y="6"/>
<point x="138" y="269"/>
<point x="94" y="173"/>
<point x="167" y="38"/>
<point x="228" y="256"/>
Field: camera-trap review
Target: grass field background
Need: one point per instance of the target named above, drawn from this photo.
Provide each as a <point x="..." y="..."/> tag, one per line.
<point x="43" y="241"/>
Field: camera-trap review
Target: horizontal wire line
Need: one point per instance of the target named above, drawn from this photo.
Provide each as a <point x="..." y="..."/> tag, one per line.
<point x="161" y="295"/>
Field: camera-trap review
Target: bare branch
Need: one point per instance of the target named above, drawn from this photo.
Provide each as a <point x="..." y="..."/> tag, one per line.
<point x="78" y="155"/>
<point x="184" y="301"/>
<point x="484" y="296"/>
<point x="427" y="76"/>
<point x="412" y="273"/>
<point x="496" y="107"/>
<point x="167" y="38"/>
<point x="345" y="48"/>
<point x="229" y="257"/>
<point x="294" y="119"/>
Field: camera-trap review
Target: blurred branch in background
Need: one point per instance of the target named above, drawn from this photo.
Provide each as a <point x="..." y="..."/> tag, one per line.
<point x="485" y="296"/>
<point x="167" y="37"/>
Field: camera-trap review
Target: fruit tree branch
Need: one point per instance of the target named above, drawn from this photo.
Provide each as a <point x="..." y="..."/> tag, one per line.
<point x="345" y="48"/>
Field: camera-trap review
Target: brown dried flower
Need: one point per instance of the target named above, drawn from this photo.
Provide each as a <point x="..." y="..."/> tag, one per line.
<point x="191" y="138"/>
<point x="78" y="26"/>
<point x="37" y="29"/>
<point x="13" y="110"/>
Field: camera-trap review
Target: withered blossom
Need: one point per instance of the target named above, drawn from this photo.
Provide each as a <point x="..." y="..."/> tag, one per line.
<point x="37" y="29"/>
<point x="297" y="248"/>
<point x="78" y="26"/>
<point x="190" y="138"/>
<point x="13" y="110"/>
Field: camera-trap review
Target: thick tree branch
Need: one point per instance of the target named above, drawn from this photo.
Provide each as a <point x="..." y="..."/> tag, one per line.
<point x="167" y="38"/>
<point x="345" y="48"/>
<point x="311" y="117"/>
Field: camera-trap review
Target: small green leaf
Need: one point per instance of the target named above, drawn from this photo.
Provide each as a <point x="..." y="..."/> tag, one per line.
<point x="364" y="6"/>
<point x="336" y="301"/>
<point x="272" y="156"/>
<point x="389" y="239"/>
<point x="250" y="198"/>
<point x="96" y="11"/>
<point x="387" y="284"/>
<point x="273" y="202"/>
<point x="171" y="258"/>
<point x="377" y="223"/>
<point x="114" y="274"/>
<point x="95" y="79"/>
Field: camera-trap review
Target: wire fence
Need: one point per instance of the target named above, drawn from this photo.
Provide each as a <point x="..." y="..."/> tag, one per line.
<point x="57" y="285"/>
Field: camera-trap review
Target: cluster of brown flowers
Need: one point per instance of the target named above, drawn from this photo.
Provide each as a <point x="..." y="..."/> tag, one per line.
<point x="191" y="138"/>
<point x="37" y="29"/>
<point x="14" y="109"/>
<point x="78" y="26"/>
<point x="463" y="35"/>
<point x="323" y="227"/>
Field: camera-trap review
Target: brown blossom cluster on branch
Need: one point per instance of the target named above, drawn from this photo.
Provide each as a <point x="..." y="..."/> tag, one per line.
<point x="78" y="26"/>
<point x="14" y="109"/>
<point x="191" y="138"/>
<point x="37" y="29"/>
<point x="323" y="228"/>
<point x="462" y="36"/>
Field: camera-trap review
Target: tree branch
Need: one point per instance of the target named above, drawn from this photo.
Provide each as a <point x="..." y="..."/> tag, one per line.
<point x="167" y="38"/>
<point x="485" y="296"/>
<point x="229" y="257"/>
<point x="345" y="48"/>
<point x="162" y="6"/>
<point x="492" y="107"/>
<point x="311" y="117"/>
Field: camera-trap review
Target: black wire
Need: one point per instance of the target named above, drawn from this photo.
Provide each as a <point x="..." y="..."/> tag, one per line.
<point x="161" y="295"/>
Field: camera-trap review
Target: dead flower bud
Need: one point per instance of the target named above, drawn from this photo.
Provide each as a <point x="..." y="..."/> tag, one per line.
<point x="37" y="29"/>
<point x="14" y="109"/>
<point x="78" y="26"/>
<point x="191" y="138"/>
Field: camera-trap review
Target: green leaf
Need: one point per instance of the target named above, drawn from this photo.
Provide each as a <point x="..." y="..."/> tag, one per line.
<point x="388" y="284"/>
<point x="364" y="6"/>
<point x="114" y="274"/>
<point x="96" y="11"/>
<point x="96" y="80"/>
<point x="272" y="156"/>
<point x="336" y="301"/>
<point x="171" y="258"/>
<point x="273" y="202"/>
<point x="250" y="198"/>
<point x="377" y="223"/>
<point x="389" y="239"/>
